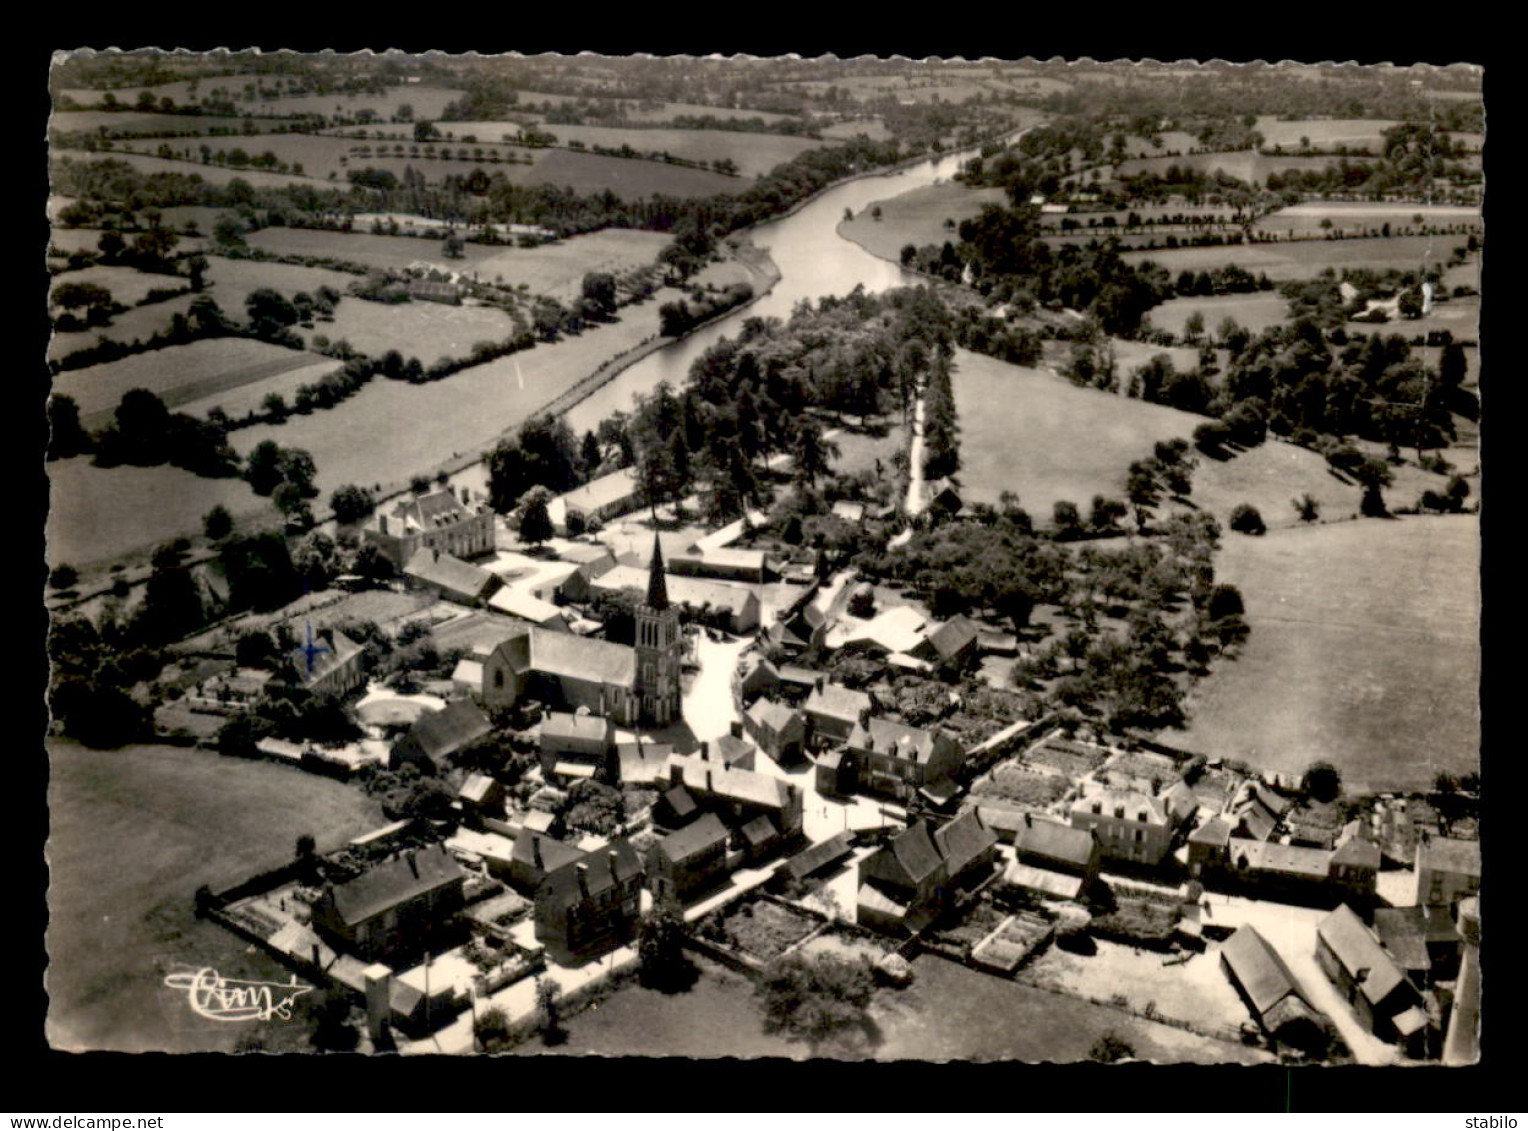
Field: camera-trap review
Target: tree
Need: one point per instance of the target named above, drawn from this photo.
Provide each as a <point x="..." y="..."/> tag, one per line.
<point x="1373" y="475"/>
<point x="98" y="715"/>
<point x="1142" y="490"/>
<point x="1307" y="508"/>
<point x="660" y="948"/>
<point x="334" y="1033"/>
<point x="819" y="999"/>
<point x="1225" y="601"/>
<point x="599" y="289"/>
<point x="453" y="247"/>
<point x="66" y="436"/>
<point x="536" y="523"/>
<point x="549" y="1003"/>
<point x="1111" y="1048"/>
<point x="217" y="523"/>
<point x="814" y="454"/>
<point x="491" y="1028"/>
<point x="64" y="577"/>
<point x="351" y="503"/>
<point x="595" y="808"/>
<point x="1322" y="781"/>
<point x="1245" y="519"/>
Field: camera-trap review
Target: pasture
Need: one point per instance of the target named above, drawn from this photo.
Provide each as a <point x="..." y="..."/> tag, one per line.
<point x="1256" y="312"/>
<point x="127" y="285"/>
<point x="133" y="833"/>
<point x="1043" y="438"/>
<point x="120" y="122"/>
<point x="98" y="515"/>
<point x="553" y="268"/>
<point x="1244" y="165"/>
<point x="178" y="375"/>
<point x="391" y="430"/>
<point x="212" y="174"/>
<point x="248" y="92"/>
<point x="135" y="325"/>
<point x="1299" y="259"/>
<point x="917" y="218"/>
<point x="234" y="280"/>
<point x="1272" y="475"/>
<point x="1324" y="133"/>
<point x="873" y="128"/>
<point x="754" y="153"/>
<point x="1130" y="356"/>
<point x="426" y="330"/>
<point x="1362" y="216"/>
<point x="1364" y="652"/>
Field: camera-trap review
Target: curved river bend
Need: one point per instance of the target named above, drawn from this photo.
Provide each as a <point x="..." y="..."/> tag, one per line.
<point x="813" y="261"/>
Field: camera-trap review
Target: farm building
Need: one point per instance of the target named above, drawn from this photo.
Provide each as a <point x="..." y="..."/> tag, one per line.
<point x="724" y="564"/>
<point x="1271" y="993"/>
<point x="1370" y="980"/>
<point x="437" y="521"/>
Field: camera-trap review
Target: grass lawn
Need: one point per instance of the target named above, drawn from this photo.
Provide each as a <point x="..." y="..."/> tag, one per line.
<point x="1300" y="259"/>
<point x="1036" y="434"/>
<point x="180" y="374"/>
<point x="133" y="833"/>
<point x="917" y="218"/>
<point x="1364" y="651"/>
<point x="101" y="514"/>
<point x="1255" y="312"/>
<point x="859" y="451"/>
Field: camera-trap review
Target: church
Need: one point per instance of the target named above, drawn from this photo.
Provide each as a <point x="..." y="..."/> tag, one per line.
<point x="631" y="686"/>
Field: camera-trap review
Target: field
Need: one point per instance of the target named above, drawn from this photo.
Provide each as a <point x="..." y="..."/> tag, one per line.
<point x="126" y="284"/>
<point x="1255" y="312"/>
<point x="134" y="832"/>
<point x="179" y="374"/>
<point x="426" y="330"/>
<point x="212" y="174"/>
<point x="1130" y="356"/>
<point x="427" y="101"/>
<point x="425" y="425"/>
<point x="1349" y="216"/>
<point x="102" y="514"/>
<point x="917" y="218"/>
<point x="1299" y="259"/>
<point x="1173" y="141"/>
<point x="1244" y="165"/>
<point x="950" y="1012"/>
<point x="135" y="325"/>
<point x="754" y="153"/>
<point x="232" y="281"/>
<point x="1326" y="133"/>
<point x="1273" y="474"/>
<point x="1056" y="441"/>
<point x="873" y="128"/>
<point x="1459" y="316"/>
<point x="133" y="122"/>
<point x="1364" y="651"/>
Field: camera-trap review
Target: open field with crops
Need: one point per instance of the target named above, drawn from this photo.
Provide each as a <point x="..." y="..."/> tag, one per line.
<point x="1364" y="652"/>
<point x="1045" y="439"/>
<point x="179" y="374"/>
<point x="917" y="218"/>
<point x="133" y="833"/>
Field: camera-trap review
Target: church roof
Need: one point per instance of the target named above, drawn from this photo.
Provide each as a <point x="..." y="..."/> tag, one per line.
<point x="657" y="591"/>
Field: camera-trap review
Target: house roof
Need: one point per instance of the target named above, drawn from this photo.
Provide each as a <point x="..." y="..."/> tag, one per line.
<point x="1357" y="950"/>
<point x="442" y="733"/>
<point x="1441" y="854"/>
<point x="1355" y="850"/>
<point x="1058" y="884"/>
<point x="1269" y="856"/>
<point x="953" y="637"/>
<point x="526" y="606"/>
<point x="732" y="783"/>
<point x="394" y="882"/>
<point x="1403" y="932"/>
<point x="680" y="802"/>
<point x="1257" y="967"/>
<point x="574" y="657"/>
<point x="585" y="554"/>
<point x="834" y="701"/>
<point x="449" y="573"/>
<point x="339" y="650"/>
<point x="696" y="837"/>
<point x="437" y="510"/>
<point x="916" y="852"/>
<point x="602" y="870"/>
<point x="608" y="490"/>
<point x="730" y="750"/>
<point x="576" y="728"/>
<point x="693" y="592"/>
<point x="964" y="839"/>
<point x="476" y="788"/>
<point x="820" y="855"/>
<point x="469" y="672"/>
<point x="899" y="629"/>
<point x="642" y="763"/>
<point x="903" y="742"/>
<point x="726" y="557"/>
<point x="1054" y="840"/>
<point x="1215" y="831"/>
<point x="760" y="830"/>
<point x="1156" y="809"/>
<point x="775" y="716"/>
<point x="553" y="853"/>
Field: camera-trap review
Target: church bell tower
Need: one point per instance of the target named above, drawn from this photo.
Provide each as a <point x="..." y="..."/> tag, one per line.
<point x="660" y="649"/>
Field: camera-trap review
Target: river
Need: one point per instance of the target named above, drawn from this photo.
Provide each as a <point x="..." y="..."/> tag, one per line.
<point x="813" y="261"/>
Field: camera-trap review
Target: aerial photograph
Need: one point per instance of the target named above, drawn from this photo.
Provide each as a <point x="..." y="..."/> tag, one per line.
<point x="823" y="558"/>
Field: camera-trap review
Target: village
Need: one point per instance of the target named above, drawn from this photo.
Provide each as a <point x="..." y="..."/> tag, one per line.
<point x="555" y="791"/>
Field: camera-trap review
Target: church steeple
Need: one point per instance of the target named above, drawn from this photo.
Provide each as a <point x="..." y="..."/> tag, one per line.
<point x="657" y="587"/>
